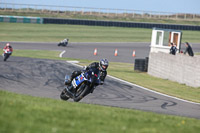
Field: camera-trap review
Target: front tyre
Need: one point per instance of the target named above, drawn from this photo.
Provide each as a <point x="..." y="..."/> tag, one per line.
<point x="6" y="56"/>
<point x="63" y="95"/>
<point x="81" y="92"/>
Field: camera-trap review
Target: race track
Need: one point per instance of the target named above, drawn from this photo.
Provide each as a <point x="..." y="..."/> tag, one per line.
<point x="44" y="78"/>
<point x="104" y="50"/>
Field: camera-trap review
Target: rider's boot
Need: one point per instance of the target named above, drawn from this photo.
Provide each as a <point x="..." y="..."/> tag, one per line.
<point x="68" y="82"/>
<point x="74" y="74"/>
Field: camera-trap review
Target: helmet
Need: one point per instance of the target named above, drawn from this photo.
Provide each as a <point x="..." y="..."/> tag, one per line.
<point x="7" y="44"/>
<point x="103" y="64"/>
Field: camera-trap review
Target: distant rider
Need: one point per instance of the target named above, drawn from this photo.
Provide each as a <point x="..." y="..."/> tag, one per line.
<point x="8" y="47"/>
<point x="65" y="41"/>
<point x="102" y="65"/>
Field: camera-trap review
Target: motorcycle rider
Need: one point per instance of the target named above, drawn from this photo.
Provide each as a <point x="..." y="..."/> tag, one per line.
<point x="102" y="65"/>
<point x="63" y="42"/>
<point x="8" y="47"/>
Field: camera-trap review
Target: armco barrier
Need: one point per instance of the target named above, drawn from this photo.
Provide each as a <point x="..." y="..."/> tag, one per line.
<point x="118" y="24"/>
<point x="21" y="19"/>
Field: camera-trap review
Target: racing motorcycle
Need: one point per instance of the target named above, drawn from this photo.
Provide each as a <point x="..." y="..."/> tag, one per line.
<point x="63" y="43"/>
<point x="7" y="53"/>
<point x="81" y="85"/>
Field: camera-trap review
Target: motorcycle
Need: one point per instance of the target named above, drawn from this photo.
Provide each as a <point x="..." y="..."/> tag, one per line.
<point x="81" y="85"/>
<point x="7" y="53"/>
<point x="63" y="43"/>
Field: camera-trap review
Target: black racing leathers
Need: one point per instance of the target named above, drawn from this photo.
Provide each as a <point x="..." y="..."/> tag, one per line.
<point x="92" y="65"/>
<point x="189" y="51"/>
<point x="103" y="74"/>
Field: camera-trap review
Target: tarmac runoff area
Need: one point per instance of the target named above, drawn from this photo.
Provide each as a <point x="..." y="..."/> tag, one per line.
<point x="44" y="78"/>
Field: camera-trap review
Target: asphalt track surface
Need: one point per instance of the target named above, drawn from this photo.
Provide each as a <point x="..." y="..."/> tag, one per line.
<point x="86" y="50"/>
<point x="44" y="78"/>
<point x="104" y="50"/>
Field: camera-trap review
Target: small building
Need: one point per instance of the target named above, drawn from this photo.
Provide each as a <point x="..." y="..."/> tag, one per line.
<point x="161" y="39"/>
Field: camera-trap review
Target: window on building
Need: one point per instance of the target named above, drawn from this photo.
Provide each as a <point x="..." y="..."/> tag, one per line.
<point x="159" y="38"/>
<point x="167" y="38"/>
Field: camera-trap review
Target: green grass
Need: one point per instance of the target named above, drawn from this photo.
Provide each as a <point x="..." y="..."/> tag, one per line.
<point x="43" y="54"/>
<point x="78" y="33"/>
<point x="27" y="114"/>
<point x="126" y="72"/>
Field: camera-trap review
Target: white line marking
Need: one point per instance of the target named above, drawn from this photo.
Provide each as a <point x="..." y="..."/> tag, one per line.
<point x="62" y="53"/>
<point x="145" y="88"/>
<point x="73" y="61"/>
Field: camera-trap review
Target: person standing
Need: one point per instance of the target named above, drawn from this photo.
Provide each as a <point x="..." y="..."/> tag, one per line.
<point x="173" y="49"/>
<point x="188" y="49"/>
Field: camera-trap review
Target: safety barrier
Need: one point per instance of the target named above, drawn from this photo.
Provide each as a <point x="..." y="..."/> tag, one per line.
<point x="118" y="24"/>
<point x="141" y="64"/>
<point x="21" y="19"/>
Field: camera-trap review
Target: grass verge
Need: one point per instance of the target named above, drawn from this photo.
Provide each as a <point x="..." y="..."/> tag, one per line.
<point x="22" y="113"/>
<point x="126" y="72"/>
<point x="78" y="33"/>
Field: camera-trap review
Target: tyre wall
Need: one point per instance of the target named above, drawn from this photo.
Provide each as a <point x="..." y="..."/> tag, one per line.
<point x="38" y="20"/>
<point x="21" y="19"/>
<point x="118" y="24"/>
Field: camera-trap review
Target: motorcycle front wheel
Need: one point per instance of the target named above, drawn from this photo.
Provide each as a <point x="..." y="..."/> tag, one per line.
<point x="6" y="56"/>
<point x="63" y="95"/>
<point x="81" y="92"/>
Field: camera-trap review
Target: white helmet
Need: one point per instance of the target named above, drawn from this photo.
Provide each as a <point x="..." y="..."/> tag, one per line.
<point x="103" y="64"/>
<point x="8" y="44"/>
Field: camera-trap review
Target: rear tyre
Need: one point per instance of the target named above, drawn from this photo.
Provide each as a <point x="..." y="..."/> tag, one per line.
<point x="64" y="96"/>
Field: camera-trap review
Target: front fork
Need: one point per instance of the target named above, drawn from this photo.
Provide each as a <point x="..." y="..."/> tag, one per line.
<point x="69" y="90"/>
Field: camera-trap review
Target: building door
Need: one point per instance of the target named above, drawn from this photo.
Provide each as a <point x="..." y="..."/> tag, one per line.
<point x="175" y="38"/>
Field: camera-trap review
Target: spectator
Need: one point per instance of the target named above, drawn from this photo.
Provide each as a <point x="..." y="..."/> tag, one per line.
<point x="173" y="49"/>
<point x="188" y="49"/>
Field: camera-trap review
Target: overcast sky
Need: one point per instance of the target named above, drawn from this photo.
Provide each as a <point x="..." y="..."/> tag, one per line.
<point x="177" y="6"/>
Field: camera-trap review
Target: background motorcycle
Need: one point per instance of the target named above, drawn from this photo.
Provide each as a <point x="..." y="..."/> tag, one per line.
<point x="7" y="53"/>
<point x="81" y="85"/>
<point x="63" y="43"/>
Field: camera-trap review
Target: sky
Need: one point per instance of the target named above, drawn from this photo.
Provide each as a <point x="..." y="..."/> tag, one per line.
<point x="175" y="6"/>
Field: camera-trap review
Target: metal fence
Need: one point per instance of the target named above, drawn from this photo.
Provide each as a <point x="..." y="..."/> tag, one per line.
<point x="98" y="12"/>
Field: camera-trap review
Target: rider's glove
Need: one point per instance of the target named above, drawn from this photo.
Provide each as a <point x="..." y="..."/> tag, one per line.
<point x="85" y="68"/>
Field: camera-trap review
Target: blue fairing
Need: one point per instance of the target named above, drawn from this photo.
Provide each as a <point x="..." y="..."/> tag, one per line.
<point x="78" y="80"/>
<point x="90" y="76"/>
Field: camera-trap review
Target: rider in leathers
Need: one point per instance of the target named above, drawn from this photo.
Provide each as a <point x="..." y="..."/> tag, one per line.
<point x="8" y="47"/>
<point x="102" y="65"/>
